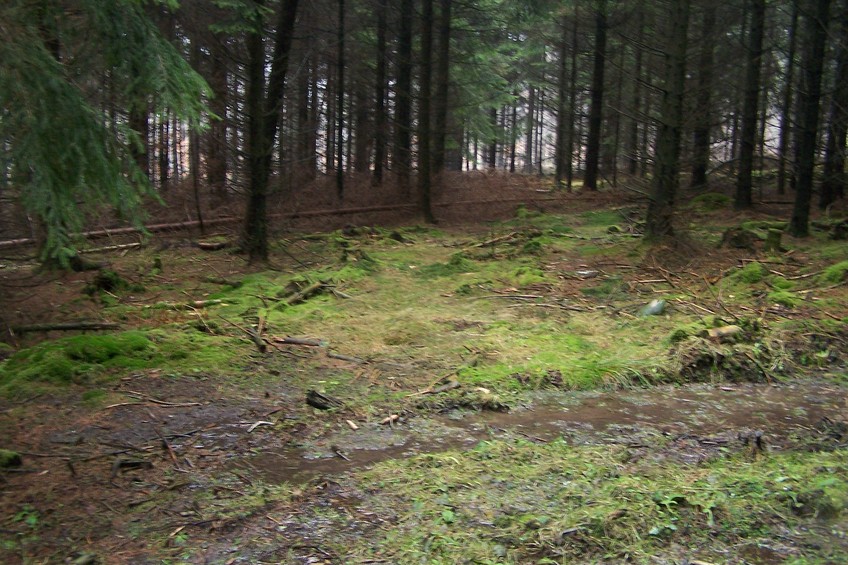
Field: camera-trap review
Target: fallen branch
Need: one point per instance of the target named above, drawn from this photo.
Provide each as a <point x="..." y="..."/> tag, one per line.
<point x="347" y="358"/>
<point x="67" y="327"/>
<point x="308" y="292"/>
<point x="252" y="334"/>
<point x="142" y="396"/>
<point x="305" y="341"/>
<point x="112" y="248"/>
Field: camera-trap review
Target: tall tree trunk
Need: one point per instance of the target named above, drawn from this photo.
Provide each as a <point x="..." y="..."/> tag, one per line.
<point x="401" y="160"/>
<point x="340" y="87"/>
<point x="380" y="119"/>
<point x="786" y="104"/>
<point x="164" y="163"/>
<point x="808" y="117"/>
<point x="216" y="138"/>
<point x="531" y="126"/>
<point x="593" y="142"/>
<point x="572" y="105"/>
<point x="748" y="137"/>
<point x="562" y="122"/>
<point x="667" y="156"/>
<point x="703" y="112"/>
<point x="442" y="87"/>
<point x="834" y="182"/>
<point x="492" y="151"/>
<point x="263" y="121"/>
<point x="633" y="132"/>
<point x="424" y="132"/>
<point x="139" y="123"/>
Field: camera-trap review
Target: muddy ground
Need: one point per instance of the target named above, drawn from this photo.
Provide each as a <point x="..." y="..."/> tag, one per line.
<point x="226" y="461"/>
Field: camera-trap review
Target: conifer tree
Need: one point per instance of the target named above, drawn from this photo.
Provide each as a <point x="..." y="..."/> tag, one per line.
<point x="67" y="157"/>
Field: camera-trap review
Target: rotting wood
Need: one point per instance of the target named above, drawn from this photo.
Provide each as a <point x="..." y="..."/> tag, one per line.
<point x="120" y="464"/>
<point x="211" y="246"/>
<point x="322" y="401"/>
<point x="67" y="327"/>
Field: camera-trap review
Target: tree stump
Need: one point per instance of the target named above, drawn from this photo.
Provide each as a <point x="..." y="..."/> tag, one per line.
<point x="773" y="241"/>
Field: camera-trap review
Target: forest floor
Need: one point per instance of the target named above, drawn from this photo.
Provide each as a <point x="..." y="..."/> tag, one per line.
<point x="507" y="391"/>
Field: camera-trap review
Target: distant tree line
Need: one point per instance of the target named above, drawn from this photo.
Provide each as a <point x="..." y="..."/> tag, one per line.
<point x="247" y="97"/>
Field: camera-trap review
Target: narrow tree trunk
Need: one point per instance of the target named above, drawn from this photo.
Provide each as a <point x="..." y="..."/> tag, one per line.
<point x="593" y="142"/>
<point x="263" y="123"/>
<point x="667" y="156"/>
<point x="528" y="141"/>
<point x="572" y="106"/>
<point x="703" y="106"/>
<point x="562" y="122"/>
<point x="340" y="122"/>
<point x="380" y="119"/>
<point x="424" y="132"/>
<point x="216" y="138"/>
<point x="749" y="110"/>
<point x="809" y="99"/>
<point x="403" y="98"/>
<point x="786" y="105"/>
<point x="492" y="152"/>
<point x="834" y="182"/>
<point x="442" y="87"/>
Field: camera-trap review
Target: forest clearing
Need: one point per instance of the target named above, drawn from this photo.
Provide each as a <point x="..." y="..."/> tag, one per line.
<point x="487" y="393"/>
<point x="427" y="281"/>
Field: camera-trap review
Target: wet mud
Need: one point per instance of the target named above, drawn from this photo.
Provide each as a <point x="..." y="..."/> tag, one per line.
<point x="700" y="415"/>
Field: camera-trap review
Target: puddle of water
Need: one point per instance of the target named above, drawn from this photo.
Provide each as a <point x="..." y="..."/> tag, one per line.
<point x="589" y="417"/>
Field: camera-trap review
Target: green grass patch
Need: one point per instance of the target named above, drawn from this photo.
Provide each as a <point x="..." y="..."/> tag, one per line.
<point x="561" y="504"/>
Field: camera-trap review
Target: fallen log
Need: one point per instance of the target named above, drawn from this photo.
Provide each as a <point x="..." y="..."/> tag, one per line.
<point x="67" y="327"/>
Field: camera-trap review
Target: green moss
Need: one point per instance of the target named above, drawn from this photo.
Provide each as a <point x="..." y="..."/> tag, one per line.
<point x="781" y="283"/>
<point x="711" y="201"/>
<point x="607" y="288"/>
<point x="601" y="218"/>
<point x="751" y="273"/>
<point x="526" y="275"/>
<point x="457" y="264"/>
<point x="88" y="358"/>
<point x="835" y="274"/>
<point x="784" y="298"/>
<point x="9" y="459"/>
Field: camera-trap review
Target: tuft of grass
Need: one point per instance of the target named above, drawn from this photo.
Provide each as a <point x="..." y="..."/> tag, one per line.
<point x="835" y="274"/>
